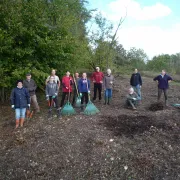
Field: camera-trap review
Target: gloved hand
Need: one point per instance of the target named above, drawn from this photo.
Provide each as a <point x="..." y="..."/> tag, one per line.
<point x="134" y="99"/>
<point x="29" y="105"/>
<point x="12" y="106"/>
<point x="89" y="92"/>
<point x="80" y="94"/>
<point x="47" y="97"/>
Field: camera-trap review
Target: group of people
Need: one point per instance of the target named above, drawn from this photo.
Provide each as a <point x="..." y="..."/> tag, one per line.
<point x="24" y="94"/>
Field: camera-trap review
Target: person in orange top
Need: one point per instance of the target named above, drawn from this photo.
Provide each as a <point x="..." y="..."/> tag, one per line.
<point x="67" y="83"/>
<point x="97" y="78"/>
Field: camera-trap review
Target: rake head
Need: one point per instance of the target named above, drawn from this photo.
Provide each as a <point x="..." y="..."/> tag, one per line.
<point x="90" y="109"/>
<point x="78" y="102"/>
<point x="68" y="109"/>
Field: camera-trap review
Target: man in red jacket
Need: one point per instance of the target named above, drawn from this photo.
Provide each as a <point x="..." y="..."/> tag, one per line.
<point x="67" y="83"/>
<point x="97" y="78"/>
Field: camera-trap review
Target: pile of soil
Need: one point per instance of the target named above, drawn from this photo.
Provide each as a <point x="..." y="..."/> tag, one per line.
<point x="117" y="143"/>
<point x="156" y="106"/>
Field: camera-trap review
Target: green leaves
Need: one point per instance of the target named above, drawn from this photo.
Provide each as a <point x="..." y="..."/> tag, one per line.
<point x="39" y="35"/>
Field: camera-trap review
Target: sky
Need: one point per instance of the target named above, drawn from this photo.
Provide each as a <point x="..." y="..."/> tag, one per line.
<point x="152" y="25"/>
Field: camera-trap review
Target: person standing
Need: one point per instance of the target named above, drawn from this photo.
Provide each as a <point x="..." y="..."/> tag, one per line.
<point x="84" y="89"/>
<point x="56" y="78"/>
<point x="108" y="85"/>
<point x="136" y="82"/>
<point x="163" y="84"/>
<point x="20" y="100"/>
<point x="52" y="93"/>
<point x="67" y="83"/>
<point x="97" y="78"/>
<point x="75" y="90"/>
<point x="31" y="87"/>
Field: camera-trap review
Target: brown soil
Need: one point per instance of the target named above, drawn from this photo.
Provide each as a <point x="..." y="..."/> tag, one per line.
<point x="116" y="144"/>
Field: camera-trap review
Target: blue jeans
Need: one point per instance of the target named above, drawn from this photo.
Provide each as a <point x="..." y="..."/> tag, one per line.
<point x="20" y="113"/>
<point x="137" y="89"/>
<point x="108" y="93"/>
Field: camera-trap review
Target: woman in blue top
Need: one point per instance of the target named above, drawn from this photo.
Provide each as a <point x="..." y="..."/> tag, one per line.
<point x="20" y="100"/>
<point x="84" y="89"/>
<point x="163" y="84"/>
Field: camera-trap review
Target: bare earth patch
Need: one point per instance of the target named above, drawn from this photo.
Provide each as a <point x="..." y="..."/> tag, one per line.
<point x="117" y="143"/>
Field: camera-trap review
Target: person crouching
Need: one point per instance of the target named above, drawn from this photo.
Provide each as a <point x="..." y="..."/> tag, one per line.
<point x="84" y="89"/>
<point x="132" y="99"/>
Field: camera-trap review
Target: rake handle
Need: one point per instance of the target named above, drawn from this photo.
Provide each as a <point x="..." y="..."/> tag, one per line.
<point x="75" y="85"/>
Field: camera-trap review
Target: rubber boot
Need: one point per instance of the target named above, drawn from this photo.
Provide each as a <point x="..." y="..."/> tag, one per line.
<point x="109" y="100"/>
<point x="166" y="103"/>
<point x="21" y="122"/>
<point x="17" y="123"/>
<point x="105" y="101"/>
<point x="82" y="107"/>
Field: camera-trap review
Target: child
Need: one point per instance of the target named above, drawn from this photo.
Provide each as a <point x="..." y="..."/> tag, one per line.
<point x="67" y="83"/>
<point x="51" y="93"/>
<point x="84" y="89"/>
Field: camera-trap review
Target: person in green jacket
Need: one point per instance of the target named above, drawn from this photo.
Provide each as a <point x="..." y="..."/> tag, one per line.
<point x="132" y="99"/>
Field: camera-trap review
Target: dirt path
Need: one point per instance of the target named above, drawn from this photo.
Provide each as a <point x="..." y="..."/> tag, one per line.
<point x="117" y="143"/>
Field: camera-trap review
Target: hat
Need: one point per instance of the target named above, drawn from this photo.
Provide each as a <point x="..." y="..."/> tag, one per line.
<point x="19" y="81"/>
<point x="28" y="74"/>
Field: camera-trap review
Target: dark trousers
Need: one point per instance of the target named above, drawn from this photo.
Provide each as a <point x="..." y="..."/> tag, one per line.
<point x="97" y="87"/>
<point x="74" y="96"/>
<point x="64" y="95"/>
<point x="52" y="101"/>
<point x="160" y="93"/>
<point x="84" y="97"/>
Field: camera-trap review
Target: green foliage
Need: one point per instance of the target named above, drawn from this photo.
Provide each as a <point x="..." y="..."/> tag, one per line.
<point x="170" y="63"/>
<point x="39" y="35"/>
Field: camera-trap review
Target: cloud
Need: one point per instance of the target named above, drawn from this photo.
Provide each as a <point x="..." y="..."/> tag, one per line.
<point x="153" y="39"/>
<point x="119" y="8"/>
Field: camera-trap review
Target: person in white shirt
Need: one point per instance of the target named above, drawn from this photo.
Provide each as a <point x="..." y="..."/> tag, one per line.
<point x="56" y="78"/>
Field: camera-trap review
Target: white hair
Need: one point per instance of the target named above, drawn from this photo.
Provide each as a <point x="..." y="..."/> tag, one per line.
<point x="97" y="68"/>
<point x="131" y="90"/>
<point x="108" y="71"/>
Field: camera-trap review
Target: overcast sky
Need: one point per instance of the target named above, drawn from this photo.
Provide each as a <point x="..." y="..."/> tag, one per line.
<point x="150" y="24"/>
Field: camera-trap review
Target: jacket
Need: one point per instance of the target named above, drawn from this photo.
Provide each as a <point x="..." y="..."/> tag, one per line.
<point x="131" y="96"/>
<point x="51" y="89"/>
<point x="83" y="85"/>
<point x="136" y="79"/>
<point x="67" y="83"/>
<point x="31" y="86"/>
<point x="97" y="77"/>
<point x="163" y="81"/>
<point x="20" y="97"/>
<point x="108" y="82"/>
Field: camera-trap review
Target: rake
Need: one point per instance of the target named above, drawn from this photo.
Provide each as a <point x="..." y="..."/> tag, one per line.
<point x="176" y="105"/>
<point x="68" y="109"/>
<point x="90" y="109"/>
<point x="78" y="98"/>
